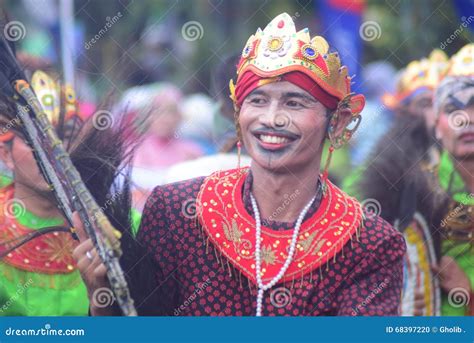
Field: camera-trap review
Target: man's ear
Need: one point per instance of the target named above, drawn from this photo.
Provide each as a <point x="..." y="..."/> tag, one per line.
<point x="6" y="154"/>
<point x="344" y="118"/>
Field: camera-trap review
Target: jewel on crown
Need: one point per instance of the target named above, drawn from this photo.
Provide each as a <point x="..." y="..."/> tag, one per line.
<point x="279" y="49"/>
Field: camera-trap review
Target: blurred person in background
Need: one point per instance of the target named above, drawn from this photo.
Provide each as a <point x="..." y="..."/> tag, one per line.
<point x="415" y="91"/>
<point x="454" y="110"/>
<point x="225" y="136"/>
<point x="155" y="112"/>
<point x="198" y="121"/>
<point x="377" y="80"/>
<point x="396" y="181"/>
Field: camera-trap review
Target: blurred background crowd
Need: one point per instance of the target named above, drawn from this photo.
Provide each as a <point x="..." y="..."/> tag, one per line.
<point x="173" y="60"/>
<point x="164" y="66"/>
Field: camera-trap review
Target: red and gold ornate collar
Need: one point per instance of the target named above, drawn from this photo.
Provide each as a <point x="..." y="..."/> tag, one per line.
<point x="50" y="253"/>
<point x="231" y="228"/>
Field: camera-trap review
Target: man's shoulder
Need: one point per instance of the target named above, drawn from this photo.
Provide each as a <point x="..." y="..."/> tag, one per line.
<point x="180" y="189"/>
<point x="380" y="238"/>
<point x="375" y="232"/>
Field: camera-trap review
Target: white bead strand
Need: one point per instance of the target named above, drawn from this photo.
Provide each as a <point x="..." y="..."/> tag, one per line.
<point x="258" y="263"/>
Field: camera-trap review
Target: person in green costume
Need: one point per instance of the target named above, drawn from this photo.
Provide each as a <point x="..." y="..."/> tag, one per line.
<point x="400" y="184"/>
<point x="38" y="273"/>
<point x="454" y="105"/>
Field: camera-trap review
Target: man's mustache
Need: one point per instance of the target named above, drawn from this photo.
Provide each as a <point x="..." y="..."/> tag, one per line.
<point x="273" y="132"/>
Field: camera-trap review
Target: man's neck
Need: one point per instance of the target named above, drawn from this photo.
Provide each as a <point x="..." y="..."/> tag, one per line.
<point x="465" y="169"/>
<point x="36" y="203"/>
<point x="282" y="197"/>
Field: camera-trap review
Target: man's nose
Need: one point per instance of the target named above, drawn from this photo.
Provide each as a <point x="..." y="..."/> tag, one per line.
<point x="275" y="117"/>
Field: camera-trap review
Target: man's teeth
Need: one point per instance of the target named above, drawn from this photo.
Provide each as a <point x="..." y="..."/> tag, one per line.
<point x="273" y="139"/>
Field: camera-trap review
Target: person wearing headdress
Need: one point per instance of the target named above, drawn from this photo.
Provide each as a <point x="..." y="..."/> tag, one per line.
<point x="155" y="111"/>
<point x="396" y="182"/>
<point x="415" y="87"/>
<point x="38" y="272"/>
<point x="411" y="103"/>
<point x="454" y="109"/>
<point x="277" y="238"/>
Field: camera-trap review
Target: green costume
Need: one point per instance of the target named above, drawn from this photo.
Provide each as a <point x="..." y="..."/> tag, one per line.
<point x="24" y="291"/>
<point x="462" y="252"/>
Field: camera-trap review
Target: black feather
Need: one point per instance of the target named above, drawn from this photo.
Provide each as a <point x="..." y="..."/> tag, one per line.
<point x="9" y="68"/>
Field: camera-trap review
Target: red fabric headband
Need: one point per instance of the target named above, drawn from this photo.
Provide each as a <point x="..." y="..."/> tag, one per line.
<point x="249" y="81"/>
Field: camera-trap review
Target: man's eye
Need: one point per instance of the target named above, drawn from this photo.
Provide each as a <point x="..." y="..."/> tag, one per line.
<point x="292" y="103"/>
<point x="257" y="101"/>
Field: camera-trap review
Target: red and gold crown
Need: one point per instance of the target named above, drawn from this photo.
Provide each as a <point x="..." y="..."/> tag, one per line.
<point x="462" y="63"/>
<point x="279" y="49"/>
<point x="424" y="73"/>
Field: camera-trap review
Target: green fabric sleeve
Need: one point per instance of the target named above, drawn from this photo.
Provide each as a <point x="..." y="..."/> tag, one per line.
<point x="24" y="293"/>
<point x="464" y="256"/>
<point x="5" y="180"/>
<point x="136" y="219"/>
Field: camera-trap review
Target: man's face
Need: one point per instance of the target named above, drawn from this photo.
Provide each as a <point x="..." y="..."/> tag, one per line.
<point x="422" y="105"/>
<point x="283" y="127"/>
<point x="19" y="158"/>
<point x="456" y="123"/>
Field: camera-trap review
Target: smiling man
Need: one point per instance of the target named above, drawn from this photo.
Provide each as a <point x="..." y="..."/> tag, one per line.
<point x="277" y="238"/>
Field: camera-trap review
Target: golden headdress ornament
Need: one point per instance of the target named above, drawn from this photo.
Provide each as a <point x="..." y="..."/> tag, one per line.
<point x="279" y="49"/>
<point x="424" y="73"/>
<point x="462" y="63"/>
<point x="59" y="103"/>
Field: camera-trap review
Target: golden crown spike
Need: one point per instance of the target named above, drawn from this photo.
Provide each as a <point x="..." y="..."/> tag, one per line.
<point x="48" y="92"/>
<point x="279" y="49"/>
<point x="427" y="72"/>
<point x="462" y="63"/>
